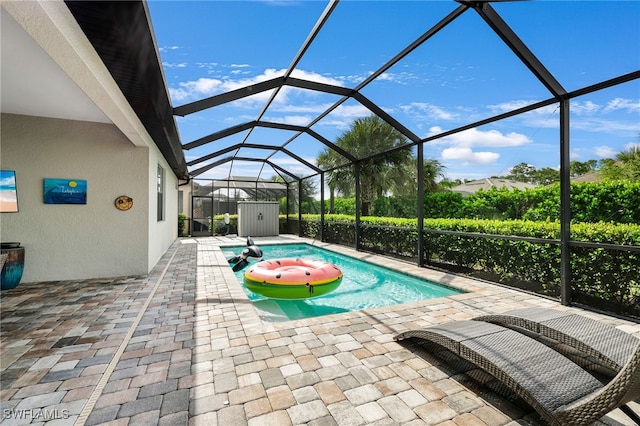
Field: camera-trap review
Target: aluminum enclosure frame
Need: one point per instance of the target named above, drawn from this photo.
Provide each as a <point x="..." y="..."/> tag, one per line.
<point x="557" y="95"/>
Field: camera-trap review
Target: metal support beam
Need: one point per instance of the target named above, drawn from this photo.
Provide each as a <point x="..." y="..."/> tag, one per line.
<point x="255" y="146"/>
<point x="322" y="207"/>
<point x="281" y="126"/>
<point x="420" y="206"/>
<point x="565" y="206"/>
<point x="331" y="6"/>
<point x="358" y="205"/>
<point x="302" y="129"/>
<point x="219" y="135"/>
<point x="223" y="98"/>
<point x="234" y="158"/>
<point x="203" y="169"/>
<point x="331" y="145"/>
<point x="416" y="43"/>
<point x="286" y="209"/>
<point x="386" y="117"/>
<point x="228" y="200"/>
<point x="625" y="78"/>
<point x="331" y="89"/>
<point x="300" y="208"/>
<point x="318" y="87"/>
<point x="275" y="166"/>
<point x="516" y="45"/>
<point x="212" y="155"/>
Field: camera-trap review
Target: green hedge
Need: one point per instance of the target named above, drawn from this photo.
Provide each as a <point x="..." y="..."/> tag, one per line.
<point x="218" y="227"/>
<point x="182" y="222"/>
<point x="605" y="278"/>
<point x="590" y="202"/>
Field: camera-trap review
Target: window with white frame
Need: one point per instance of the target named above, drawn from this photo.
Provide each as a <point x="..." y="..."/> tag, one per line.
<point x="160" y="193"/>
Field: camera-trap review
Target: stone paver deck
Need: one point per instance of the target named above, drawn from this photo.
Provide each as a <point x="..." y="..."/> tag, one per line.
<point x="184" y="346"/>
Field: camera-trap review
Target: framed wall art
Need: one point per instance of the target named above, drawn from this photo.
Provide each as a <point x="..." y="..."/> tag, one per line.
<point x="8" y="192"/>
<point x="65" y="191"/>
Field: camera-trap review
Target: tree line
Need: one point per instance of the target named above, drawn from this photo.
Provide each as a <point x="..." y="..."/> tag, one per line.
<point x="395" y="173"/>
<point x="624" y="167"/>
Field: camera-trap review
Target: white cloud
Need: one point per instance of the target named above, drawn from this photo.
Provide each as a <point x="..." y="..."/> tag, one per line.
<point x="206" y="87"/>
<point x="512" y="105"/>
<point x="177" y="94"/>
<point x="175" y="65"/>
<point x="386" y="76"/>
<point x="243" y="118"/>
<point x="296" y="120"/>
<point x="631" y="145"/>
<point x="285" y="160"/>
<point x="206" y="64"/>
<point x="343" y="116"/>
<point x="577" y="107"/>
<point x="621" y="103"/>
<point x="459" y="147"/>
<point x="351" y="111"/>
<point x="306" y="108"/>
<point x="313" y="76"/>
<point x="586" y="107"/>
<point x="398" y="78"/>
<point x="475" y="137"/>
<point x="605" y="152"/>
<point x="516" y="104"/>
<point x="466" y="156"/>
<point x="424" y="110"/>
<point x="354" y="79"/>
<point x="164" y="48"/>
<point x="600" y="125"/>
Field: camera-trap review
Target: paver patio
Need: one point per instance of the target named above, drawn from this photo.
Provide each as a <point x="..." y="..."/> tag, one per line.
<point x="185" y="346"/>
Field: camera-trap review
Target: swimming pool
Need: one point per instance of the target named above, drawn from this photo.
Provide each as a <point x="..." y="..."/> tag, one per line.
<point x="364" y="285"/>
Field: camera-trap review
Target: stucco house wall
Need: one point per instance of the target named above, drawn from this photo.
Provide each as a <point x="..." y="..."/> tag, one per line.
<point x="161" y="233"/>
<point x="93" y="240"/>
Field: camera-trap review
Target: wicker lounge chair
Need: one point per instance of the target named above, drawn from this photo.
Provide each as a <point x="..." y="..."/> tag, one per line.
<point x="561" y="391"/>
<point x="590" y="343"/>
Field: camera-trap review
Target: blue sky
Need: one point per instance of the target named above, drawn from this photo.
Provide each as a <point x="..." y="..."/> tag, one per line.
<point x="463" y="74"/>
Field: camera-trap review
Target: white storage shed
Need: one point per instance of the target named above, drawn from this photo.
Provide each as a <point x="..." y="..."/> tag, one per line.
<point x="258" y="218"/>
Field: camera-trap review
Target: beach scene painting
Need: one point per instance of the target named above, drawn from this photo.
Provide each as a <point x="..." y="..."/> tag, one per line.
<point x="8" y="192"/>
<point x="65" y="191"/>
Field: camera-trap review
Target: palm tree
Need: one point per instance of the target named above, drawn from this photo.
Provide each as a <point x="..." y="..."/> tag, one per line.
<point x="631" y="161"/>
<point x="309" y="190"/>
<point x="625" y="167"/>
<point x="433" y="172"/>
<point x="338" y="180"/>
<point x="369" y="136"/>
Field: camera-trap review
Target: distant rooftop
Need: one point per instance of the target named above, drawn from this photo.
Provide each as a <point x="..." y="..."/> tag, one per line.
<point x="488" y="183"/>
<point x="255" y="189"/>
<point x="587" y="177"/>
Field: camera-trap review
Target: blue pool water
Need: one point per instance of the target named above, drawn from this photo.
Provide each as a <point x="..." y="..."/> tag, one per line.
<point x="364" y="285"/>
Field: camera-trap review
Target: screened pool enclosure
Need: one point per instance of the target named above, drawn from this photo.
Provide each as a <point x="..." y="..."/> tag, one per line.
<point x="264" y="144"/>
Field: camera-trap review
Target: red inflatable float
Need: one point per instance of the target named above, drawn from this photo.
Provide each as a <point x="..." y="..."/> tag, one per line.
<point x="292" y="278"/>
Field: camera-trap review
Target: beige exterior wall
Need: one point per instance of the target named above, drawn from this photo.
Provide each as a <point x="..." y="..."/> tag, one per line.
<point x="93" y="240"/>
<point x="161" y="233"/>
